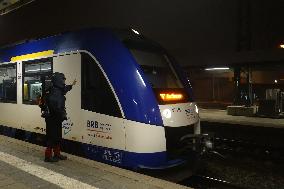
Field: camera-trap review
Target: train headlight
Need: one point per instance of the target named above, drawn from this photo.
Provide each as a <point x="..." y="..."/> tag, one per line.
<point x="209" y="144"/>
<point x="196" y="109"/>
<point x="167" y="113"/>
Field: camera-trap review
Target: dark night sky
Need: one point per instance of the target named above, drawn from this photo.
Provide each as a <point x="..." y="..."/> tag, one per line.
<point x="195" y="32"/>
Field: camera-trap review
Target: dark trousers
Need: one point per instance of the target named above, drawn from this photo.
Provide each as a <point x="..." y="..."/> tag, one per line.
<point x="53" y="135"/>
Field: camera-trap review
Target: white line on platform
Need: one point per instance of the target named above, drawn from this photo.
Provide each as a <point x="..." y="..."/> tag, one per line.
<point x="44" y="173"/>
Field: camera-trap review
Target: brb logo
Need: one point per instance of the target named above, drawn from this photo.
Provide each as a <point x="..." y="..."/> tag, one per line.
<point x="67" y="126"/>
<point x="99" y="130"/>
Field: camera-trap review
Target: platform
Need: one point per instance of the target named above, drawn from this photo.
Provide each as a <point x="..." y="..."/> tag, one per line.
<point x="22" y="166"/>
<point x="220" y="116"/>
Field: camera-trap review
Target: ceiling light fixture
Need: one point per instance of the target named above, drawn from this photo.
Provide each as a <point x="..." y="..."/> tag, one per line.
<point x="7" y="6"/>
<point x="135" y="31"/>
<point x="220" y="68"/>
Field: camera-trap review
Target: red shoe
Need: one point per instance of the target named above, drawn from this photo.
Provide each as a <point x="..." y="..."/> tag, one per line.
<point x="48" y="155"/>
<point x="57" y="154"/>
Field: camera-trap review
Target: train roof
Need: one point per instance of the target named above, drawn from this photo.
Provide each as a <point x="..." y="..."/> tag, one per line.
<point x="112" y="55"/>
<point x="72" y="41"/>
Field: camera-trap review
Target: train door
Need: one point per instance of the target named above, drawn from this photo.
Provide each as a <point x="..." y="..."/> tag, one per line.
<point x="69" y="65"/>
<point x="34" y="78"/>
<point x="103" y="123"/>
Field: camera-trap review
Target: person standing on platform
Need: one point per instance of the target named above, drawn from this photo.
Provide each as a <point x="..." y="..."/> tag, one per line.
<point x="55" y="102"/>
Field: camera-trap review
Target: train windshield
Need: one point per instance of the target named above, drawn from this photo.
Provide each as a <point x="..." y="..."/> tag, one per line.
<point x="157" y="69"/>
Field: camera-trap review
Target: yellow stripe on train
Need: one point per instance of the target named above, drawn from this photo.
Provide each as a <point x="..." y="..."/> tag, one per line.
<point x="32" y="55"/>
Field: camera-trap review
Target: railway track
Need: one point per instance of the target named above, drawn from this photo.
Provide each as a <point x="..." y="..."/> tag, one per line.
<point x="247" y="141"/>
<point x="242" y="148"/>
<point x="206" y="182"/>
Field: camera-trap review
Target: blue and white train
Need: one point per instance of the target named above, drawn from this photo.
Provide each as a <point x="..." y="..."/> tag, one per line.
<point x="132" y="106"/>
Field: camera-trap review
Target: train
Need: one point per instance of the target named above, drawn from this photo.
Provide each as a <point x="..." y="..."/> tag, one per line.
<point x="132" y="106"/>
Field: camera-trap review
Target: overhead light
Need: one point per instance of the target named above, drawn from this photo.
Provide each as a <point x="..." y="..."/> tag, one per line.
<point x="281" y="46"/>
<point x="7" y="6"/>
<point x="135" y="31"/>
<point x="45" y="69"/>
<point x="220" y="68"/>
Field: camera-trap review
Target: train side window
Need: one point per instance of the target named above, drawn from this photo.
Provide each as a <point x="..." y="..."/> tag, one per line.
<point x="97" y="95"/>
<point x="8" y="83"/>
<point x="36" y="77"/>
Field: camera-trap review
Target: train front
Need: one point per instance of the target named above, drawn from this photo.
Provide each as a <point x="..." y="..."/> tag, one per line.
<point x="173" y="93"/>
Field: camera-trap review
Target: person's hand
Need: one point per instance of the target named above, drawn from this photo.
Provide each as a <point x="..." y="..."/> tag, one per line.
<point x="74" y="82"/>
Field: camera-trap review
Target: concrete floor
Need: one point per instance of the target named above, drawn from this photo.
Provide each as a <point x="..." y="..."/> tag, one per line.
<point x="220" y="116"/>
<point x="22" y="166"/>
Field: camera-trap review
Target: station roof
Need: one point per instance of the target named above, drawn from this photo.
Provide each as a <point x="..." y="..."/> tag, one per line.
<point x="195" y="32"/>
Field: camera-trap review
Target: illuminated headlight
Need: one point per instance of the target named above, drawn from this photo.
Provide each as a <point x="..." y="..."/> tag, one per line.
<point x="209" y="144"/>
<point x="167" y="113"/>
<point x="196" y="109"/>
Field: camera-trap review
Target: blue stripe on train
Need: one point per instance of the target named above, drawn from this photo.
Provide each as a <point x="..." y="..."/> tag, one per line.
<point x="157" y="160"/>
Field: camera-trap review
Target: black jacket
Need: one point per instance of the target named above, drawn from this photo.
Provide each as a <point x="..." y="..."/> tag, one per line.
<point x="56" y="101"/>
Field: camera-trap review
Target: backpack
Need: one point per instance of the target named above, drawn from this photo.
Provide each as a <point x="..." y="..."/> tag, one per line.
<point x="42" y="103"/>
